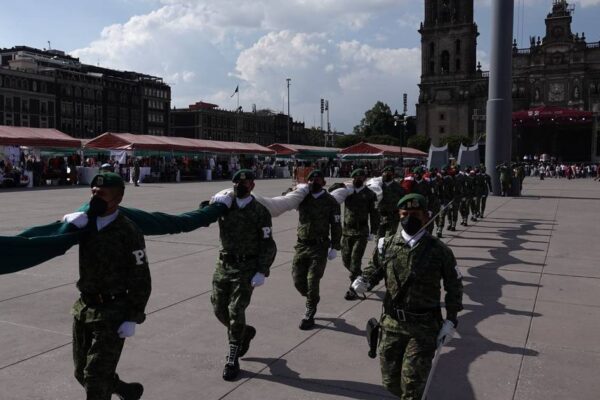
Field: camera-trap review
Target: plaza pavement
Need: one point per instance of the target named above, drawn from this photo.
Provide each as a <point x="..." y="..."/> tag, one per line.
<point x="529" y="329"/>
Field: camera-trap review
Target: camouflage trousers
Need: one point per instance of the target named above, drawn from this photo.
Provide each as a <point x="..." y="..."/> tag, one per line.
<point x="505" y="185"/>
<point x="441" y="218"/>
<point x="482" y="205"/>
<point x="406" y="350"/>
<point x="465" y="207"/>
<point x="455" y="208"/>
<point x="353" y="250"/>
<point x="96" y="351"/>
<point x="231" y="294"/>
<point x="308" y="268"/>
<point x="476" y="205"/>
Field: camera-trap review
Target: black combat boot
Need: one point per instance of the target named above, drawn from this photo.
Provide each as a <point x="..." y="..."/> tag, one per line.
<point x="232" y="365"/>
<point x="129" y="391"/>
<point x="439" y="234"/>
<point x="249" y="334"/>
<point x="308" y="322"/>
<point x="351" y="294"/>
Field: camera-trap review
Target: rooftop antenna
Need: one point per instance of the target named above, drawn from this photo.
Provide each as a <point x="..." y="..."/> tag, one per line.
<point x="49" y="46"/>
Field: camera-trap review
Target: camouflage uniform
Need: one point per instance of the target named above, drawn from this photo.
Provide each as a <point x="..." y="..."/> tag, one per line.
<point x="247" y="247"/>
<point x="446" y="195"/>
<point x="480" y="187"/>
<point x="392" y="192"/>
<point x="459" y="194"/>
<point x="359" y="210"/>
<point x="433" y="202"/>
<point x="410" y="324"/>
<point x="505" y="178"/>
<point x="313" y="244"/>
<point x="487" y="188"/>
<point x="467" y="198"/>
<point x="115" y="285"/>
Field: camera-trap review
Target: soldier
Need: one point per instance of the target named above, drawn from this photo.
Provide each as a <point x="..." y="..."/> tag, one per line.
<point x="392" y="192"/>
<point x="505" y="178"/>
<point x="433" y="201"/>
<point x="412" y="263"/>
<point x="487" y="188"/>
<point x="136" y="172"/>
<point x="246" y="254"/>
<point x="359" y="210"/>
<point x="446" y="195"/>
<point x="319" y="215"/>
<point x="114" y="281"/>
<point x="459" y="194"/>
<point x="467" y="198"/>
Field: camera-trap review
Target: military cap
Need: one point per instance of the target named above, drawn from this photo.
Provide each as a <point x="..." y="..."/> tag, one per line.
<point x="108" y="179"/>
<point x="243" y="174"/>
<point x="418" y="170"/>
<point x="358" y="172"/>
<point x="413" y="201"/>
<point x="389" y="168"/>
<point x="315" y="173"/>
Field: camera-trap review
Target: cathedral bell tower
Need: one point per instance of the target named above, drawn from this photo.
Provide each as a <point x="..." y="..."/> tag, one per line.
<point x="448" y="63"/>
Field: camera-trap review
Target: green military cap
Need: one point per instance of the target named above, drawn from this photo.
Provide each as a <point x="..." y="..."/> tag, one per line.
<point x="358" y="172"/>
<point x="389" y="168"/>
<point x="108" y="179"/>
<point x="413" y="201"/>
<point x="315" y="173"/>
<point x="418" y="170"/>
<point x="243" y="174"/>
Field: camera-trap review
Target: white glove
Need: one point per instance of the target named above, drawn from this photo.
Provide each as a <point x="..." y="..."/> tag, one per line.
<point x="258" y="279"/>
<point x="302" y="188"/>
<point x="127" y="329"/>
<point x="332" y="254"/>
<point x="370" y="237"/>
<point x="447" y="332"/>
<point x="79" y="219"/>
<point x="359" y="285"/>
<point x="223" y="199"/>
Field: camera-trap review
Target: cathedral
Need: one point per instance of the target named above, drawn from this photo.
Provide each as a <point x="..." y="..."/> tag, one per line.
<point x="556" y="83"/>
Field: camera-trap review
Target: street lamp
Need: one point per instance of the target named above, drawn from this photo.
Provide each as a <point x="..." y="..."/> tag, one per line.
<point x="404" y="119"/>
<point x="288" y="118"/>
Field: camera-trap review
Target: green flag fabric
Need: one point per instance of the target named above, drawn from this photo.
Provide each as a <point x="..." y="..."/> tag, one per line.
<point x="42" y="243"/>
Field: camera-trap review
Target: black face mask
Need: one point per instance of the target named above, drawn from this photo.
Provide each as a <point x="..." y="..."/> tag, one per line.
<point x="411" y="224"/>
<point x="358" y="184"/>
<point x="241" y="191"/>
<point x="387" y="178"/>
<point x="98" y="206"/>
<point x="315" y="187"/>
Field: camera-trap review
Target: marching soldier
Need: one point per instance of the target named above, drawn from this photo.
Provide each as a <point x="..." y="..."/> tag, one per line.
<point x="505" y="178"/>
<point x="487" y="188"/>
<point x="392" y="192"/>
<point x="412" y="263"/>
<point x="359" y="210"/>
<point x="446" y="195"/>
<point x="480" y="187"/>
<point x="459" y="194"/>
<point x="434" y="203"/>
<point x="115" y="285"/>
<point x="319" y="215"/>
<point x="467" y="198"/>
<point x="246" y="254"/>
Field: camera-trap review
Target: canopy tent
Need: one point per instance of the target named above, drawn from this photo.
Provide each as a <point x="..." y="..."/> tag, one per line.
<point x="468" y="155"/>
<point x="146" y="143"/>
<point x="438" y="156"/>
<point x="373" y="150"/>
<point x="36" y="137"/>
<point x="301" y="151"/>
<point x="551" y="115"/>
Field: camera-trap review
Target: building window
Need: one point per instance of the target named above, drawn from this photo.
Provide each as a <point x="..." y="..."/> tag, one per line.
<point x="458" y="64"/>
<point x="431" y="49"/>
<point x="442" y="116"/>
<point x="442" y="130"/>
<point x="457" y="46"/>
<point x="445" y="62"/>
<point x="432" y="67"/>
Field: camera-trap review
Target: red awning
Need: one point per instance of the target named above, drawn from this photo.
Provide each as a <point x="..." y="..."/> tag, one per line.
<point x="551" y="115"/>
<point x="128" y="141"/>
<point x="36" y="137"/>
<point x="373" y="149"/>
<point x="292" y="149"/>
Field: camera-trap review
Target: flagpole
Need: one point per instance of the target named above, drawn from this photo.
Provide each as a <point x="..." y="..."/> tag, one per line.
<point x="238" y="98"/>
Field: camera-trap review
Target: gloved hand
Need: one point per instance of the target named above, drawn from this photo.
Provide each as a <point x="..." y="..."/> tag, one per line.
<point x="370" y="237"/>
<point x="332" y="254"/>
<point x="223" y="199"/>
<point x="127" y="329"/>
<point x="360" y="285"/>
<point x="302" y="188"/>
<point x="447" y="332"/>
<point x="79" y="219"/>
<point x="258" y="279"/>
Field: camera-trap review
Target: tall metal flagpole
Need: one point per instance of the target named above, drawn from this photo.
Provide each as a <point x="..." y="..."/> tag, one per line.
<point x="288" y="114"/>
<point x="499" y="105"/>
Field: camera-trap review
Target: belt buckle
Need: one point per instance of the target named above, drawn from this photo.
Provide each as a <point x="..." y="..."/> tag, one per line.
<point x="400" y="315"/>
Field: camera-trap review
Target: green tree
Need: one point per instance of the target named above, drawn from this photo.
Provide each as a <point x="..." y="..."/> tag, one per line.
<point x="384" y="139"/>
<point x="454" y="142"/>
<point x="419" y="142"/>
<point x="347" y="140"/>
<point x="377" y="121"/>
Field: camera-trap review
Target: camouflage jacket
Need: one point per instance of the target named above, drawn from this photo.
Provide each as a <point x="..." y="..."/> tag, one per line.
<point x="318" y="217"/>
<point x="359" y="210"/>
<point x="387" y="206"/>
<point x="249" y="232"/>
<point x="446" y="189"/>
<point x="480" y="185"/>
<point x="431" y="261"/>
<point x="459" y="186"/>
<point x="505" y="173"/>
<point x="433" y="201"/>
<point x="113" y="262"/>
<point x="469" y="186"/>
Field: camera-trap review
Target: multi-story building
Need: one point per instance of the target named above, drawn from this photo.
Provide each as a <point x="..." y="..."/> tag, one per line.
<point x="56" y="90"/>
<point x="207" y="121"/>
<point x="562" y="69"/>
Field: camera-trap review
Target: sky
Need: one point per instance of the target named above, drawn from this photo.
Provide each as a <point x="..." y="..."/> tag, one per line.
<point x="351" y="52"/>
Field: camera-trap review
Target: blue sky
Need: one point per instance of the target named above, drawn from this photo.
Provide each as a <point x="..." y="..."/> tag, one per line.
<point x="352" y="52"/>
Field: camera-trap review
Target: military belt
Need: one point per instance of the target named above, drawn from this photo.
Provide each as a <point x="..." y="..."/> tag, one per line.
<point x="235" y="258"/>
<point x="95" y="299"/>
<point x="313" y="242"/>
<point x="402" y="315"/>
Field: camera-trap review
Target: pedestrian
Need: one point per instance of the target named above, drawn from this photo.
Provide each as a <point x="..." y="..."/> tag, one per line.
<point x="359" y="210"/>
<point x="136" y="172"/>
<point x="487" y="188"/>
<point x="114" y="285"/>
<point x="319" y="234"/>
<point x="245" y="257"/>
<point x="392" y="192"/>
<point x="412" y="263"/>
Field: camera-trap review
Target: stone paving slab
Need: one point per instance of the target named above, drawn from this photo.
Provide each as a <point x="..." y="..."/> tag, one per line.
<point x="528" y="330"/>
